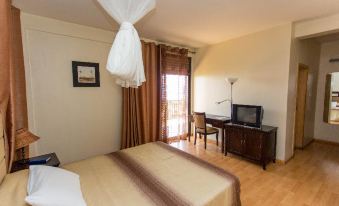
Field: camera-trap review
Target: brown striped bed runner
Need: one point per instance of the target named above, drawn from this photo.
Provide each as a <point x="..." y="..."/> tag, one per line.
<point x="164" y="174"/>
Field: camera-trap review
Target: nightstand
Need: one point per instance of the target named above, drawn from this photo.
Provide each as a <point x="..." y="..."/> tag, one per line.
<point x="54" y="162"/>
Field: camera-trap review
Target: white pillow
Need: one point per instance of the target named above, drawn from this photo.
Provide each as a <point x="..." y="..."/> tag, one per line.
<point x="52" y="186"/>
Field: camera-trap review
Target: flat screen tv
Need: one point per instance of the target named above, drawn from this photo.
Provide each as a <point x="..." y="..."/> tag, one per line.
<point x="247" y="115"/>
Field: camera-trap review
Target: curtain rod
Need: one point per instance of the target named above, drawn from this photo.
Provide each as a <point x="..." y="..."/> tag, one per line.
<point x="334" y="60"/>
<point x="190" y="50"/>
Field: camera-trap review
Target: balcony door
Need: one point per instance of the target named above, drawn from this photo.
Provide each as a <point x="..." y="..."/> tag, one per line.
<point x="177" y="87"/>
<point x="175" y="93"/>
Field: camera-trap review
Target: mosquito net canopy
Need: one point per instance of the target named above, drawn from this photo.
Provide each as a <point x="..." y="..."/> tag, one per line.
<point x="125" y="58"/>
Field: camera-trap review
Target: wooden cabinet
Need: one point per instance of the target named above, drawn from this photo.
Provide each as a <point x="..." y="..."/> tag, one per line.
<point x="252" y="145"/>
<point x="258" y="145"/>
<point x="234" y="144"/>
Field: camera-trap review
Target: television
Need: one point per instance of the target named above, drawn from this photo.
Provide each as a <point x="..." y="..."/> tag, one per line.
<point x="247" y="115"/>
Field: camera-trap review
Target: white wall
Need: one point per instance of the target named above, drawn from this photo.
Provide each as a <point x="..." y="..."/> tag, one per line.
<point x="322" y="130"/>
<point x="261" y="61"/>
<point x="76" y="123"/>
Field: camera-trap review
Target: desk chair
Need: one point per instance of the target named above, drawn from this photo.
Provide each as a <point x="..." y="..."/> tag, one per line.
<point x="202" y="129"/>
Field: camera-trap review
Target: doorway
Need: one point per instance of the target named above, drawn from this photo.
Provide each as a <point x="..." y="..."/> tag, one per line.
<point x="176" y="96"/>
<point x="299" y="135"/>
<point x="177" y="105"/>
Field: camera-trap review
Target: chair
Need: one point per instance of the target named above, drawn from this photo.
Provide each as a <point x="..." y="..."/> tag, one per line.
<point x="202" y="129"/>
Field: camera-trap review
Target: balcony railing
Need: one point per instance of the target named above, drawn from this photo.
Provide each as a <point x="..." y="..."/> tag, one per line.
<point x="177" y="115"/>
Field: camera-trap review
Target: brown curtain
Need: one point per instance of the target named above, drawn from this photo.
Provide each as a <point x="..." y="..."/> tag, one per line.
<point x="12" y="77"/>
<point x="141" y="105"/>
<point x="175" y="70"/>
<point x="5" y="16"/>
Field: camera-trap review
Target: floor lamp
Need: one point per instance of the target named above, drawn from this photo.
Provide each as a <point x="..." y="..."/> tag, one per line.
<point x="230" y="80"/>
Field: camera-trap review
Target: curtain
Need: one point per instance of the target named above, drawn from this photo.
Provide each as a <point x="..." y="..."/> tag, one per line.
<point x="174" y="96"/>
<point x="141" y="105"/>
<point x="5" y="16"/>
<point x="18" y="99"/>
<point x="125" y="57"/>
<point x="13" y="102"/>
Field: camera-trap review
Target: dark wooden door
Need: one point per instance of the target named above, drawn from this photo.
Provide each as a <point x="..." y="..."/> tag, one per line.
<point x="235" y="140"/>
<point x="253" y="144"/>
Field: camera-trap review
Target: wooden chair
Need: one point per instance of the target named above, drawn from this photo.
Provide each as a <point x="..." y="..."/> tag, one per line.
<point x="202" y="129"/>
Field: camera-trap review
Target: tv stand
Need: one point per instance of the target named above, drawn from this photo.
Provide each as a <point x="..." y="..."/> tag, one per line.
<point x="255" y="144"/>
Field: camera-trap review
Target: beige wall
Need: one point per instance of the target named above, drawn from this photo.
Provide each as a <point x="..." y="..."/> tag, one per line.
<point x="261" y="61"/>
<point x="76" y="123"/>
<point x="325" y="131"/>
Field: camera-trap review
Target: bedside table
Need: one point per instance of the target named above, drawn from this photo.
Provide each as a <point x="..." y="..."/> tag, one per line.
<point x="54" y="162"/>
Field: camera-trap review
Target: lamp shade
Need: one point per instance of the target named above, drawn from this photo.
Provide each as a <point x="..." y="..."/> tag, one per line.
<point x="24" y="138"/>
<point x="232" y="80"/>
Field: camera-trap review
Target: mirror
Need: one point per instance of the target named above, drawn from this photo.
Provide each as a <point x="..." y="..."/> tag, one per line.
<point x="331" y="106"/>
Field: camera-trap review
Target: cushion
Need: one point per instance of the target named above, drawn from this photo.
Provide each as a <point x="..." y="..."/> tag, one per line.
<point x="209" y="130"/>
<point x="52" y="186"/>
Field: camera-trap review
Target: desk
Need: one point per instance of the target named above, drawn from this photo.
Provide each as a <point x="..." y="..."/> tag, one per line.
<point x="216" y="121"/>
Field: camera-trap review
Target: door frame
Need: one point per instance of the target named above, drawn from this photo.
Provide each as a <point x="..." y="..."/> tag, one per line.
<point x="304" y="102"/>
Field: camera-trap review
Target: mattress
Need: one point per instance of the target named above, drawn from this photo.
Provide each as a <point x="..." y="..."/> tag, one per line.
<point x="150" y="174"/>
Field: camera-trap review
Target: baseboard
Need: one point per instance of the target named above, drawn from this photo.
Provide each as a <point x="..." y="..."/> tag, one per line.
<point x="280" y="162"/>
<point x="303" y="147"/>
<point x="283" y="162"/>
<point x="326" y="142"/>
<point x="308" y="143"/>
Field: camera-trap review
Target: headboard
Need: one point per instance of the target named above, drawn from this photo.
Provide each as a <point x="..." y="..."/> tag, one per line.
<point x="3" y="170"/>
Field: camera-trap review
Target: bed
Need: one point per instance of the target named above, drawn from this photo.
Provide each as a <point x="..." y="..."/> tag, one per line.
<point x="150" y="174"/>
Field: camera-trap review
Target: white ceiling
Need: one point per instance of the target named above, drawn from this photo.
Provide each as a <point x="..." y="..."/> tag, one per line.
<point x="193" y="23"/>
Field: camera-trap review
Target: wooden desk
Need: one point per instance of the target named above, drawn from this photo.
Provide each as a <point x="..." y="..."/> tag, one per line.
<point x="216" y="121"/>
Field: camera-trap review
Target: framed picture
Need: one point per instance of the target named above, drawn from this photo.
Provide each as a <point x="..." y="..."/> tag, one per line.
<point x="85" y="74"/>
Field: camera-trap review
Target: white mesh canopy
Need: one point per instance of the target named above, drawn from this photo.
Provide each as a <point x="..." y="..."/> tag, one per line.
<point x="125" y="58"/>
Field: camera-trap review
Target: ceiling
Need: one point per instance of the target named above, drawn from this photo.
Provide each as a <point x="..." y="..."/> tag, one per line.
<point x="193" y="23"/>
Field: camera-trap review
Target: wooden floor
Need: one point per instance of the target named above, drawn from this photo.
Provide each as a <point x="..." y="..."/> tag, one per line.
<point x="311" y="178"/>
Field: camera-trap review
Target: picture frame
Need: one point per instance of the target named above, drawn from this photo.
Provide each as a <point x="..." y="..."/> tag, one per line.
<point x="85" y="74"/>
